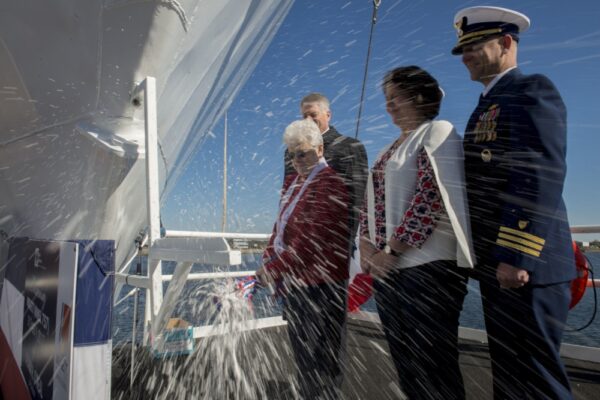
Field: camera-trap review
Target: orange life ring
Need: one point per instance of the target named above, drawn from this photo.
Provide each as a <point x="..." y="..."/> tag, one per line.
<point x="579" y="284"/>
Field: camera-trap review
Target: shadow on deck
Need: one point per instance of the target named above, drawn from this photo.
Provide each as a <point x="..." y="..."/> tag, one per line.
<point x="369" y="375"/>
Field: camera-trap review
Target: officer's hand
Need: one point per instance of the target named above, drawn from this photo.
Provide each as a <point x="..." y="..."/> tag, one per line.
<point x="511" y="277"/>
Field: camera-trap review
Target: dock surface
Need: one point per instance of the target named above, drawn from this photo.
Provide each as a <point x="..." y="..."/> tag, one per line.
<point x="263" y="359"/>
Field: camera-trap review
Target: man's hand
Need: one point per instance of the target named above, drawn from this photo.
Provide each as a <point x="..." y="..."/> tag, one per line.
<point x="511" y="277"/>
<point x="381" y="264"/>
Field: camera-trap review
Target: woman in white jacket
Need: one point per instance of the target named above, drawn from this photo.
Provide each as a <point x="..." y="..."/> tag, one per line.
<point x="415" y="237"/>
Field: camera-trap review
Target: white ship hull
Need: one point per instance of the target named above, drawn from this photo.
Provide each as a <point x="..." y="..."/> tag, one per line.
<point x="72" y="134"/>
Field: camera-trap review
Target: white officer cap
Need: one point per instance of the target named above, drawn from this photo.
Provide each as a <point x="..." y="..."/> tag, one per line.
<point x="477" y="24"/>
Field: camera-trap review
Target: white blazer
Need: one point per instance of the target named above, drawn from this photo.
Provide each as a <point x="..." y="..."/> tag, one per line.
<point x="451" y="239"/>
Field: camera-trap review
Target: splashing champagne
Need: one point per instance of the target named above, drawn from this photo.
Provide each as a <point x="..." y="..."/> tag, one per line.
<point x="232" y="361"/>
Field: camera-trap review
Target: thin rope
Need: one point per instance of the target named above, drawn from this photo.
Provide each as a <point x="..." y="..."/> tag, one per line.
<point x="376" y="4"/>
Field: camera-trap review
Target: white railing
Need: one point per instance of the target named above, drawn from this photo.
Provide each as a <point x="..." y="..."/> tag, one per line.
<point x="224" y="235"/>
<point x="143" y="282"/>
<point x="585" y="229"/>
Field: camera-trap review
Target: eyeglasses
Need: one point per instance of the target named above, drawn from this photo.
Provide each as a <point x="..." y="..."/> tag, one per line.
<point x="300" y="154"/>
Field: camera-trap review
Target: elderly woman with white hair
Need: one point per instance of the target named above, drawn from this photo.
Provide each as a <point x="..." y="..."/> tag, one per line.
<point x="308" y="254"/>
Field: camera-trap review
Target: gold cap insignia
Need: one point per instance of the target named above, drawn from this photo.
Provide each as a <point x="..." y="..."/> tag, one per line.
<point x="458" y="25"/>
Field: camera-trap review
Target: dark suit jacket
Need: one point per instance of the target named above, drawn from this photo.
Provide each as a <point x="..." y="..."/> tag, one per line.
<point x="316" y="233"/>
<point x="515" y="147"/>
<point x="348" y="157"/>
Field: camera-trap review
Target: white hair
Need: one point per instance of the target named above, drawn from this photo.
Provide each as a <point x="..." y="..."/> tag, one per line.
<point x="302" y="131"/>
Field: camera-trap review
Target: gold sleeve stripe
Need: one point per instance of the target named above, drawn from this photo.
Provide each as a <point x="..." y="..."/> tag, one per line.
<point x="519" y="240"/>
<point x="515" y="246"/>
<point x="525" y="235"/>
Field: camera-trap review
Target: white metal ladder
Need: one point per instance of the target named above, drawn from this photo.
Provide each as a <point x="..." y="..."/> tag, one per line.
<point x="183" y="247"/>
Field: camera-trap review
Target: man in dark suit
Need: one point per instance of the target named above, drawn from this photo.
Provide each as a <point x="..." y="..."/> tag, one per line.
<point x="515" y="147"/>
<point x="347" y="156"/>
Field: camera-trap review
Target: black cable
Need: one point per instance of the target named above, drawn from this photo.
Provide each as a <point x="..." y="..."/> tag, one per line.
<point x="138" y="271"/>
<point x="376" y="4"/>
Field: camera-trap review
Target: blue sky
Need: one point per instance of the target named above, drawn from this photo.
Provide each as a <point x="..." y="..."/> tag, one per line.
<point x="321" y="46"/>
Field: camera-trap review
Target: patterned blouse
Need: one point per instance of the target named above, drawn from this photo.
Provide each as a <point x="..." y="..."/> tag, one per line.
<point x="425" y="209"/>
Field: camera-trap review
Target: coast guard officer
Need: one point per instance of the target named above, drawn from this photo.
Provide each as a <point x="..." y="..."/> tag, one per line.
<point x="515" y="145"/>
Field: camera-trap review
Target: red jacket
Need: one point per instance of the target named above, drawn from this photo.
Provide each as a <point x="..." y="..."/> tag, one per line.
<point x="317" y="233"/>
